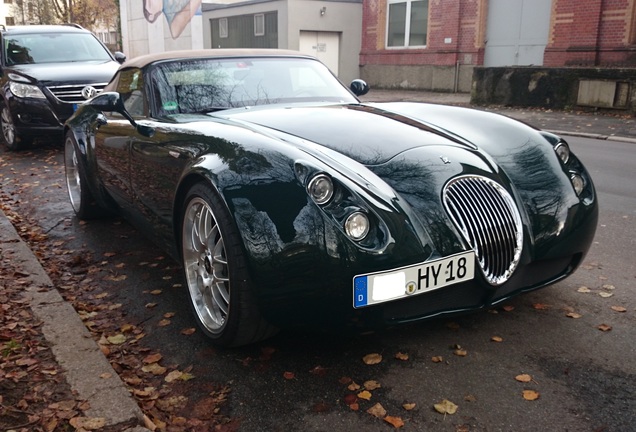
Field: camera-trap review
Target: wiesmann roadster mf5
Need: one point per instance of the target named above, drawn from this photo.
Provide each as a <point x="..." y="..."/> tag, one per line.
<point x="289" y="201"/>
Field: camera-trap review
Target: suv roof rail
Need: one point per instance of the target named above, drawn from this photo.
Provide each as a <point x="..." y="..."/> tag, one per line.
<point x="74" y="25"/>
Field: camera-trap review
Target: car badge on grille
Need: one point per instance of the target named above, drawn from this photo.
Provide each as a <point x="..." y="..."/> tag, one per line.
<point x="88" y="92"/>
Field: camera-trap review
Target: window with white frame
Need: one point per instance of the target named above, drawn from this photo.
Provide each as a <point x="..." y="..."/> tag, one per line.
<point x="407" y="23"/>
<point x="259" y="25"/>
<point x="223" y="28"/>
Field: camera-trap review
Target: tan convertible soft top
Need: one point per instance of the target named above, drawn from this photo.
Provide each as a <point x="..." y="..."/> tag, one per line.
<point x="146" y="59"/>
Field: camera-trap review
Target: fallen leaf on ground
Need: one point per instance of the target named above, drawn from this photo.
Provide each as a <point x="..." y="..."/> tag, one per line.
<point x="437" y="359"/>
<point x="584" y="289"/>
<point x="289" y="375"/>
<point x="605" y="294"/>
<point x="350" y="399"/>
<point x="154" y="368"/>
<point x="401" y="356"/>
<point x="117" y="339"/>
<point x="152" y="358"/>
<point x="396" y="422"/>
<point x="372" y="359"/>
<point x="524" y="378"/>
<point x="408" y="406"/>
<point x="604" y="327"/>
<point x="530" y="395"/>
<point x="619" y="309"/>
<point x="371" y="385"/>
<point x="508" y="308"/>
<point x="460" y="352"/>
<point x="364" y="394"/>
<point x="88" y="423"/>
<point x="445" y="407"/>
<point x="573" y="315"/>
<point x="540" y="306"/>
<point x="353" y="386"/>
<point x="496" y="339"/>
<point x="377" y="410"/>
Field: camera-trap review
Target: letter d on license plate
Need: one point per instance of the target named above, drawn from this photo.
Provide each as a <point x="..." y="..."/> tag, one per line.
<point x="389" y="285"/>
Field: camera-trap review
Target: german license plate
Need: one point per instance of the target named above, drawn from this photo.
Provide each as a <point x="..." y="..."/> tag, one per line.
<point x="373" y="288"/>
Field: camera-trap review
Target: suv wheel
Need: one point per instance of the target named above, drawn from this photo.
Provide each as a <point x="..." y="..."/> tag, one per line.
<point x="11" y="138"/>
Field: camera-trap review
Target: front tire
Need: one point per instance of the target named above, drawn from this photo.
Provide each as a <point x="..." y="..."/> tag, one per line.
<point x="12" y="140"/>
<point x="221" y="294"/>
<point x="81" y="198"/>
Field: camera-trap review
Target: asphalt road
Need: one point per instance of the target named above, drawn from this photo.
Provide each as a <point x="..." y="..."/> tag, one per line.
<point x="300" y="379"/>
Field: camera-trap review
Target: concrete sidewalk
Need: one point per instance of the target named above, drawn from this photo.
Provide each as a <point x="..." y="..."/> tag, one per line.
<point x="88" y="371"/>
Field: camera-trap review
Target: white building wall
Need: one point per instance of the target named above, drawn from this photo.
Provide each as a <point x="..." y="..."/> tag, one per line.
<point x="139" y="36"/>
<point x="296" y="16"/>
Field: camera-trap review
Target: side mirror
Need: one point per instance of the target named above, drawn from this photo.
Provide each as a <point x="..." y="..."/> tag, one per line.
<point x="108" y="101"/>
<point x="111" y="101"/>
<point x="120" y="57"/>
<point x="359" y="87"/>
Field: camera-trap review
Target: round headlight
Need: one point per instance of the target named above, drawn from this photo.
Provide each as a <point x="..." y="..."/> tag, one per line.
<point x="577" y="183"/>
<point x="563" y="151"/>
<point x="320" y="188"/>
<point x="357" y="226"/>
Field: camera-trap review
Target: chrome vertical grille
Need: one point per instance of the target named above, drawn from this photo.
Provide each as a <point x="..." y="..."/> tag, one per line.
<point x="488" y="218"/>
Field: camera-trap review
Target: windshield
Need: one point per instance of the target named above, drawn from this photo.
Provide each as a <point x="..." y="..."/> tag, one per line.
<point x="204" y="85"/>
<point x="53" y="48"/>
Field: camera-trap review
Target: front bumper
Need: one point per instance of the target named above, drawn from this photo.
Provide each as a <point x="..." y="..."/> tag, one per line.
<point x="38" y="117"/>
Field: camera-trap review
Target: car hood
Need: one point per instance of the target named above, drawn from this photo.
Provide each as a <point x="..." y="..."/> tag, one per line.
<point x="367" y="134"/>
<point x="68" y="73"/>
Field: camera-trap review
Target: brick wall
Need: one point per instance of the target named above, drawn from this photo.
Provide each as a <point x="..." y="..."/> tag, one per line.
<point x="592" y="33"/>
<point x="454" y="34"/>
<point x="582" y="33"/>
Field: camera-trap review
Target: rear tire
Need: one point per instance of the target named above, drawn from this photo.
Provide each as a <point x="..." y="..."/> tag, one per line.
<point x="12" y="139"/>
<point x="221" y="294"/>
<point x="81" y="198"/>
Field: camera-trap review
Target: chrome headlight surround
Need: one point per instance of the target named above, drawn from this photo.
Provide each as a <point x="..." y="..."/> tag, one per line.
<point x="357" y="226"/>
<point x="578" y="183"/>
<point x="562" y="149"/>
<point x="321" y="188"/>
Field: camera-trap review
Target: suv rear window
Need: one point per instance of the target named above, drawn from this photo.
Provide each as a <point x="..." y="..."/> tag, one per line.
<point x="53" y="48"/>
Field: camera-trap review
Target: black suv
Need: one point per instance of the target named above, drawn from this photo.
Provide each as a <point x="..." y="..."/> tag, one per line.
<point x="45" y="72"/>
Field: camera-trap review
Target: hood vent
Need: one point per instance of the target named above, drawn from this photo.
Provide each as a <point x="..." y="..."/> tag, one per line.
<point x="487" y="217"/>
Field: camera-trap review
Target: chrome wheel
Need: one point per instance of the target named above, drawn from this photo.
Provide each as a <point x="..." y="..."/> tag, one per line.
<point x="8" y="128"/>
<point x="73" y="179"/>
<point x="206" y="266"/>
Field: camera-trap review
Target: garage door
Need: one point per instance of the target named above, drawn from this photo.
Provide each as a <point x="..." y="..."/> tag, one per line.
<point x="517" y="32"/>
<point x="324" y="45"/>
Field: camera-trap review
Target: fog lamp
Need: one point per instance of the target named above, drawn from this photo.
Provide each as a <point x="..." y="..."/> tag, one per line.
<point x="357" y="226"/>
<point x="320" y="188"/>
<point x="578" y="183"/>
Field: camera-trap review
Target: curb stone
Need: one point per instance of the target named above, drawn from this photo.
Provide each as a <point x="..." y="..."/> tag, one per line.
<point x="86" y="369"/>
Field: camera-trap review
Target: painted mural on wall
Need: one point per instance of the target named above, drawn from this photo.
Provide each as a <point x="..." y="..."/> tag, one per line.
<point x="177" y="13"/>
